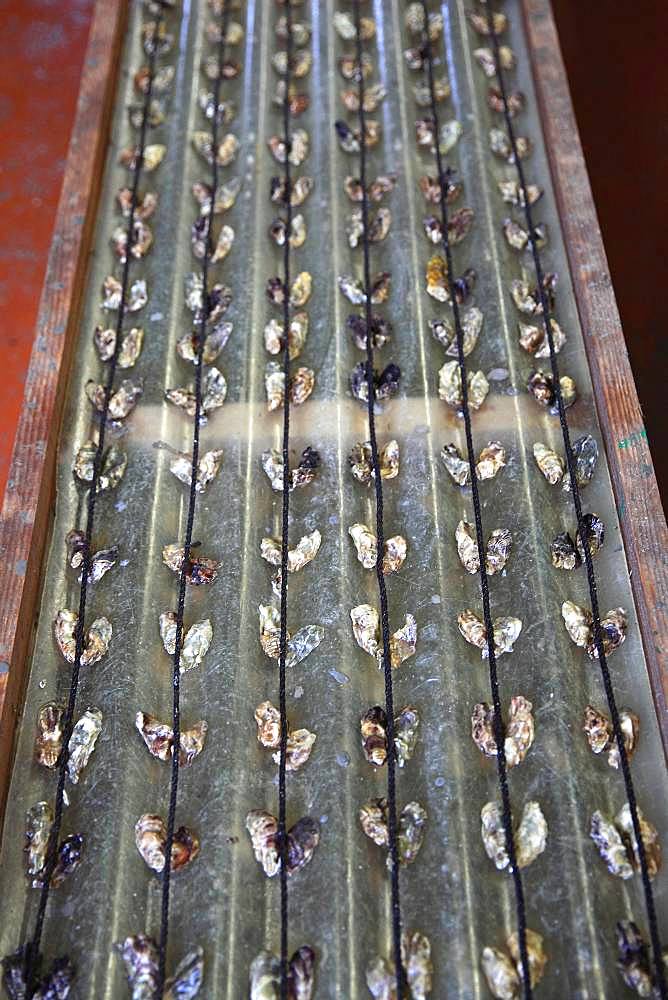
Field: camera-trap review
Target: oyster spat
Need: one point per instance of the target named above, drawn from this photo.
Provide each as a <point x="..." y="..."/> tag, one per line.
<point x="411" y="822"/>
<point x="503" y="969"/>
<point x="159" y="738"/>
<point x="55" y="984"/>
<point x="195" y="640"/>
<point x="96" y="641"/>
<point x="299" y="645"/>
<point x="265" y="975"/>
<point x="506" y="632"/>
<point x="300" y="741"/>
<point x="366" y="629"/>
<point x="617" y="845"/>
<point x="140" y="957"/>
<point x="366" y="546"/>
<point x="530" y="837"/>
<point x="381" y="978"/>
<point x="599" y="731"/>
<point x="151" y="841"/>
<point x="303" y="838"/>
<point x="579" y="624"/>
<point x="518" y="729"/>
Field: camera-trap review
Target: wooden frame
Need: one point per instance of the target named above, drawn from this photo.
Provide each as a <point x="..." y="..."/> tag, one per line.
<point x="28" y="503"/>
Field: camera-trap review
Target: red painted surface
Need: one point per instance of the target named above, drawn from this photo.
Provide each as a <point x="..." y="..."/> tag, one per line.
<point x="42" y="45"/>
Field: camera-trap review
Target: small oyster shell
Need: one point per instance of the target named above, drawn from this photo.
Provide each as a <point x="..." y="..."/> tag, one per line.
<point x="82" y="742"/>
<point x="519" y="730"/>
<point x="303" y="838"/>
<point x="265" y="976"/>
<point x="39" y="819"/>
<point x="534" y="339"/>
<point x="513" y="193"/>
<point x="506" y="632"/>
<point x="366" y="545"/>
<point x="121" y="403"/>
<point x="611" y="846"/>
<point x="497" y="550"/>
<point x="600" y="735"/>
<point x="634" y="960"/>
<point x="530" y="837"/>
<point x="471" y="323"/>
<point x="195" y="641"/>
<point x="550" y="464"/>
<point x="650" y="839"/>
<point x="501" y="975"/>
<point x="450" y="386"/>
<point x="299" y="147"/>
<point x="304" y="552"/>
<point x="300" y="741"/>
<point x="208" y="467"/>
<point x="410" y="835"/>
<point x="366" y="629"/>
<point x="585" y="455"/>
<point x="361" y="465"/>
<point x="151" y="838"/>
<point x="200" y="570"/>
<point x="416" y="961"/>
<point x="373" y="727"/>
<point x="274" y="336"/>
<point x="455" y="464"/>
<point x="97" y="639"/>
<point x="579" y="625"/>
<point x="485" y="59"/>
<point x="540" y="385"/>
<point x="562" y="552"/>
<point x="49" y="736"/>
<point x="500" y="145"/>
<point x="114" y="464"/>
<point x="594" y="533"/>
<point x="491" y="459"/>
<point x="159" y="738"/>
<point x="214" y="392"/>
<point x="299" y="645"/>
<point x="302" y="475"/>
<point x="406" y="727"/>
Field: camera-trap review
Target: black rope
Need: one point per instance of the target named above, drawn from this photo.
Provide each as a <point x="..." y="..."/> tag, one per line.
<point x="380" y="530"/>
<point x="582" y="527"/>
<point x="499" y="729"/>
<point x="285" y="514"/>
<point x="187" y="545"/>
<point x="32" y="951"/>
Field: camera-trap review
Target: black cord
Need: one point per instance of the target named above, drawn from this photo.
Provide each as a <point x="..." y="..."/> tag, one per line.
<point x="285" y="518"/>
<point x="32" y="951"/>
<point x="176" y="659"/>
<point x="499" y="729"/>
<point x="392" y="825"/>
<point x="582" y="528"/>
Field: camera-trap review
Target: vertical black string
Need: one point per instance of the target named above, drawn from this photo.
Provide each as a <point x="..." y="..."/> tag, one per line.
<point x="192" y="496"/>
<point x="582" y="527"/>
<point x="32" y="951"/>
<point x="380" y="529"/>
<point x="499" y="729"/>
<point x="285" y="513"/>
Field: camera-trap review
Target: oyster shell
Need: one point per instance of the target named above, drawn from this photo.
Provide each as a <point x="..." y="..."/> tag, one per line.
<point x="530" y="837"/>
<point x="361" y="464"/>
<point x="96" y="642"/>
<point x="151" y="840"/>
<point x="195" y="641"/>
<point x="506" y="632"/>
<point x="82" y="742"/>
<point x="302" y="840"/>
<point x="159" y="738"/>
<point x="49" y="736"/>
<point x="450" y="386"/>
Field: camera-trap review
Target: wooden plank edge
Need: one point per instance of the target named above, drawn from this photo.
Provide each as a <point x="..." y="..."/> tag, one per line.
<point x="27" y="510"/>
<point x="635" y="488"/>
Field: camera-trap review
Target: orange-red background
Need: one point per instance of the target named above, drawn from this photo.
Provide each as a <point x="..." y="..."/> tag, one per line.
<point x="619" y="80"/>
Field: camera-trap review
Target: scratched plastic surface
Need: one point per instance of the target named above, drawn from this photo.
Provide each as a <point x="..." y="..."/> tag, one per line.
<point x="339" y="903"/>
